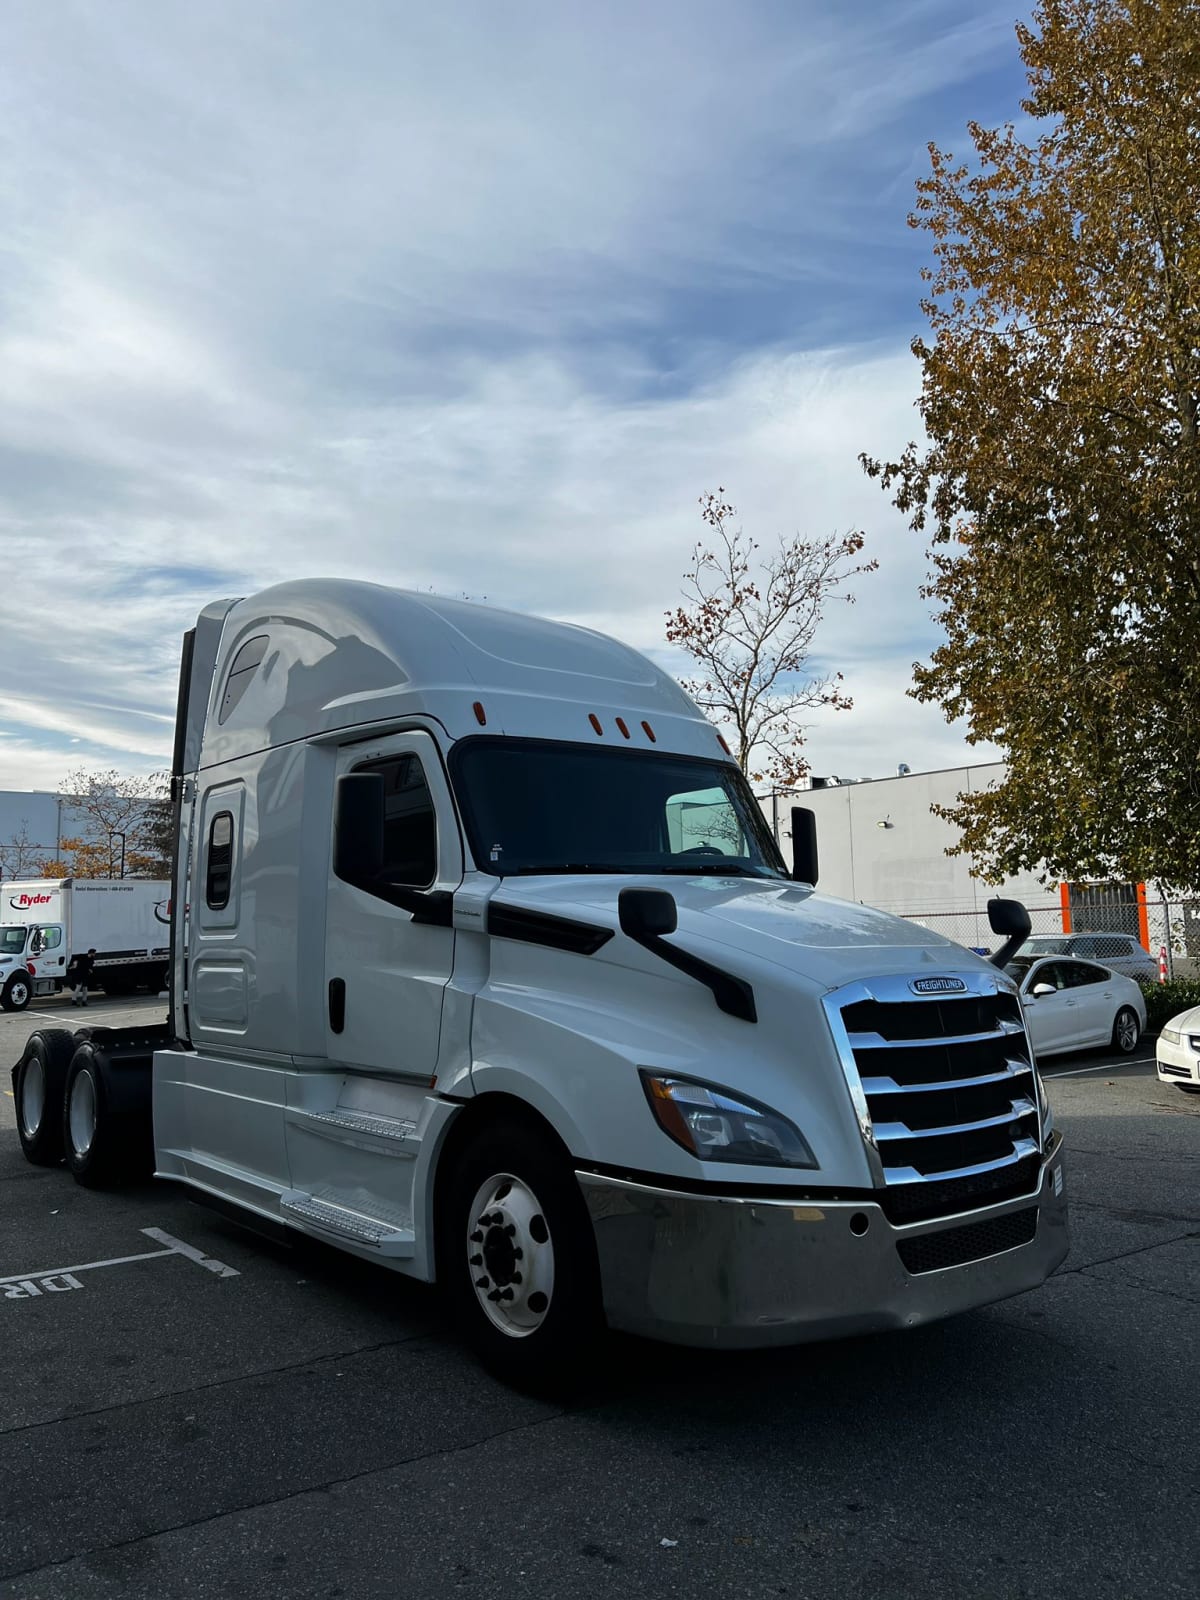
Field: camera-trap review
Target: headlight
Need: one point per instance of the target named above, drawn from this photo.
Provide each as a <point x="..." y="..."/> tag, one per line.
<point x="714" y="1125"/>
<point x="1171" y="1035"/>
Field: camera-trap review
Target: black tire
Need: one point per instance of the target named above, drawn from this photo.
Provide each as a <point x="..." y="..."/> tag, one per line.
<point x="1127" y="1031"/>
<point x="107" y="1135"/>
<point x="18" y="992"/>
<point x="39" y="1082"/>
<point x="552" y="1351"/>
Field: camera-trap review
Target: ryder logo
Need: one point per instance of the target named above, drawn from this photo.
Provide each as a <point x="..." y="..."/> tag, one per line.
<point x="938" y="986"/>
<point x="25" y="901"/>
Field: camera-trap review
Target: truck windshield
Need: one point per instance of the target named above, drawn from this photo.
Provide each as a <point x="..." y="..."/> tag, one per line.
<point x="12" y="941"/>
<point x="535" y="807"/>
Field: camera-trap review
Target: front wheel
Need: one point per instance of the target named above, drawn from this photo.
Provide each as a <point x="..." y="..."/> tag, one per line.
<point x="18" y="992"/>
<point x="1127" y="1030"/>
<point x="517" y="1258"/>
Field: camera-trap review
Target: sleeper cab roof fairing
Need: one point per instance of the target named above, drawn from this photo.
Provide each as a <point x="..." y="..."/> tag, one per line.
<point x="341" y="654"/>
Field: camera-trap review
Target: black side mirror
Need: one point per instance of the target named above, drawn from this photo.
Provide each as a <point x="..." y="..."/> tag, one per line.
<point x="804" y="845"/>
<point x="358" y="827"/>
<point x="1010" y="920"/>
<point x="647" y="913"/>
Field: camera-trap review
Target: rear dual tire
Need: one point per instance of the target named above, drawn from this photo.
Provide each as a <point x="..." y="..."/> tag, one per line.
<point x="39" y="1089"/>
<point x="107" y="1132"/>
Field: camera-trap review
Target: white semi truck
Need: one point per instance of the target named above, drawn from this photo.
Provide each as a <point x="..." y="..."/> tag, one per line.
<point x="486" y="968"/>
<point x="46" y="921"/>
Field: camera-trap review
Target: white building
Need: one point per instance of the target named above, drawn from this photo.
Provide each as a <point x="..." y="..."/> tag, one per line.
<point x="880" y="842"/>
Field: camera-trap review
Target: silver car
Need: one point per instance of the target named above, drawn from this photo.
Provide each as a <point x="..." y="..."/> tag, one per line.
<point x="1076" y="1005"/>
<point x="1120" y="951"/>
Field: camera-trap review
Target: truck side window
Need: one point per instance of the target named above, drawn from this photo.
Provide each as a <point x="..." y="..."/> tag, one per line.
<point x="245" y="664"/>
<point x="409" y="822"/>
<point x="220" y="861"/>
<point x="49" y="938"/>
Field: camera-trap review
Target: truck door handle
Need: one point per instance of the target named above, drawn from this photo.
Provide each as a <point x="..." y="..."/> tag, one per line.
<point x="337" y="1004"/>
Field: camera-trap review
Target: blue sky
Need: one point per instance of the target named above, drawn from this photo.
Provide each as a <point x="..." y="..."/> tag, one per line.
<point x="474" y="298"/>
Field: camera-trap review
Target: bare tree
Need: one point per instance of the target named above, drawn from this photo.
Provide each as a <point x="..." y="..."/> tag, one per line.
<point x="125" y="827"/>
<point x="21" y="857"/>
<point x="749" y="621"/>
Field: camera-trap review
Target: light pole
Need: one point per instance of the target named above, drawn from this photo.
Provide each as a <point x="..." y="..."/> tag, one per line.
<point x="111" y="837"/>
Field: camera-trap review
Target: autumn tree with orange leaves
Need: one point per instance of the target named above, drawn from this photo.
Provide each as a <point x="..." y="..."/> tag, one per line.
<point x="749" y="621"/>
<point x="1059" y="476"/>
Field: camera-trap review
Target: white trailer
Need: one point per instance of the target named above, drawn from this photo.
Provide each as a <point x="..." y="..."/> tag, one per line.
<point x="486" y="968"/>
<point x="44" y="922"/>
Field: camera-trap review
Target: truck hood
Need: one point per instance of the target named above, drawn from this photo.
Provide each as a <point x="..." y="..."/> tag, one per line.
<point x="814" y="936"/>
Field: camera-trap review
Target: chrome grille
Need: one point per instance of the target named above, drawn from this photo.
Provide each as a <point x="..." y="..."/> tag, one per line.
<point x="945" y="1089"/>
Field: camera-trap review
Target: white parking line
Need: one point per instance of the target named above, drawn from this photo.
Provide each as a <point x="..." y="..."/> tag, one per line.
<point x="1111" y="1066"/>
<point x="23" y="1285"/>
<point x="190" y="1251"/>
<point x="85" y="1266"/>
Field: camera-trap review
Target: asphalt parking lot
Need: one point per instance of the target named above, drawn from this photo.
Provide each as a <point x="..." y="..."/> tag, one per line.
<point x="195" y="1411"/>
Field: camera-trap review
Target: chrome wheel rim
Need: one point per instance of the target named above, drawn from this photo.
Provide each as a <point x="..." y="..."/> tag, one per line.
<point x="510" y="1256"/>
<point x="1127" y="1030"/>
<point x="18" y="993"/>
<point x="81" y="1113"/>
<point x="33" y="1097"/>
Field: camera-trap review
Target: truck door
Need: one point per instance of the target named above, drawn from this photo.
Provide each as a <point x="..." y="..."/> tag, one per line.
<point x="386" y="974"/>
<point x="47" y="956"/>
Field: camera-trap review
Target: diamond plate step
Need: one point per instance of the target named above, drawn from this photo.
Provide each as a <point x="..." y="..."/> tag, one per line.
<point x="363" y="1122"/>
<point x="349" y="1225"/>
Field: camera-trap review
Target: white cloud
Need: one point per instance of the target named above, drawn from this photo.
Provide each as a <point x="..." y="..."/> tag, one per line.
<point x="456" y="297"/>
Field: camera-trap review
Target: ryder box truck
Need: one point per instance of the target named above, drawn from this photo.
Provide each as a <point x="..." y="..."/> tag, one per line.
<point x="486" y="968"/>
<point x="46" y="921"/>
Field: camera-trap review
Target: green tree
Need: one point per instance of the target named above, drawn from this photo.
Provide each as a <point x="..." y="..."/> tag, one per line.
<point x="749" y="622"/>
<point x="1059" y="478"/>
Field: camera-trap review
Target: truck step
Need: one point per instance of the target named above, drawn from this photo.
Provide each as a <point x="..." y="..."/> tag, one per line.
<point x="324" y="1217"/>
<point x="361" y="1122"/>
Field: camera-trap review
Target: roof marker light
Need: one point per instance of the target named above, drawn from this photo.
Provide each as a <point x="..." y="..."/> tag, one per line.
<point x="480" y="714"/>
<point x="649" y="732"/>
<point x="623" y="728"/>
<point x="595" y="722"/>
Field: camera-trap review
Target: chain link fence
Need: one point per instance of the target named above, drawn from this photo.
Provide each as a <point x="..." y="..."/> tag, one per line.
<point x="1170" y="925"/>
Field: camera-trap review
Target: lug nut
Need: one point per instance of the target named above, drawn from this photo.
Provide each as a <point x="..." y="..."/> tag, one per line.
<point x="477" y="1261"/>
<point x="518" y="1254"/>
<point x="510" y="1230"/>
<point x="505" y="1294"/>
<point x="495" y="1295"/>
<point x="481" y="1283"/>
<point x="477" y="1237"/>
<point x="516" y="1278"/>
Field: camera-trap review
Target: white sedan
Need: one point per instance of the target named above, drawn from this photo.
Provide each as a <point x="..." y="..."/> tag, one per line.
<point x="1077" y="1005"/>
<point x="1178" y="1051"/>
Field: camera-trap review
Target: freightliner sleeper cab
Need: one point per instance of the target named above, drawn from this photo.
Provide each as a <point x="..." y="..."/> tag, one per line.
<point x="486" y="968"/>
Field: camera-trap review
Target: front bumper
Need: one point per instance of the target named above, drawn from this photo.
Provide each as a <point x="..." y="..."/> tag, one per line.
<point x="1175" y="1063"/>
<point x="741" y="1274"/>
